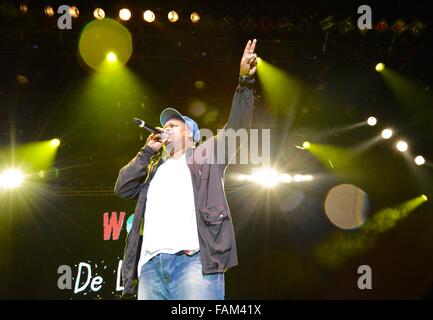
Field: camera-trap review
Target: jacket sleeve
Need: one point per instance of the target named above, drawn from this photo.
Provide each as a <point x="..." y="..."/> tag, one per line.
<point x="240" y="117"/>
<point x="131" y="176"/>
<point x="241" y="112"/>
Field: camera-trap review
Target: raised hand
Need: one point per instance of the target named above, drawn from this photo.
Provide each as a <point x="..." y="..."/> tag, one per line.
<point x="249" y="59"/>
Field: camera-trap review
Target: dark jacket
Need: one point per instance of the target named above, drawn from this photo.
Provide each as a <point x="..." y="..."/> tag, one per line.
<point x="214" y="223"/>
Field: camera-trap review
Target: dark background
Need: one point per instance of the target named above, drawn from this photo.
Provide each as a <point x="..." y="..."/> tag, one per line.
<point x="275" y="246"/>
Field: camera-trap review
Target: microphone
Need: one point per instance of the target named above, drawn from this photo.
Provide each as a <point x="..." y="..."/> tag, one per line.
<point x="150" y="129"/>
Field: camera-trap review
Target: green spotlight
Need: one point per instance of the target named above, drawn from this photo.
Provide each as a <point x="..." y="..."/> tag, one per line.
<point x="424" y="197"/>
<point x="111" y="57"/>
<point x="380" y="67"/>
<point x="279" y="87"/>
<point x="11" y="179"/>
<point x="55" y="143"/>
<point x="306" y="145"/>
<point x="105" y="45"/>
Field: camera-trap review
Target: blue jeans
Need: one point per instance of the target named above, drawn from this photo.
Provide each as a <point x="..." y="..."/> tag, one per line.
<point x="178" y="277"/>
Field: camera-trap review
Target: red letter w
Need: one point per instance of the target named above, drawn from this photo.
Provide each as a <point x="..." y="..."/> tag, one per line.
<point x="112" y="225"/>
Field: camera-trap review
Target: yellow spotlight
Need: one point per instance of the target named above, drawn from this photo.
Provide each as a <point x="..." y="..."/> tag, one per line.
<point x="380" y="67"/>
<point x="55" y="143"/>
<point x="419" y="160"/>
<point x="99" y="13"/>
<point x="125" y="14"/>
<point x="149" y="16"/>
<point x="173" y="16"/>
<point x="306" y="145"/>
<point x="259" y="60"/>
<point x="387" y="133"/>
<point x="401" y="146"/>
<point x="74" y="12"/>
<point x="49" y="11"/>
<point x="195" y="17"/>
<point x="266" y="177"/>
<point x="111" y="57"/>
<point x="424" y="197"/>
<point x="11" y="179"/>
<point x="372" y="121"/>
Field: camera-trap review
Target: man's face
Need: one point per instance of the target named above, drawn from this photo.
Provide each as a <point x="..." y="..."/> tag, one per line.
<point x="177" y="134"/>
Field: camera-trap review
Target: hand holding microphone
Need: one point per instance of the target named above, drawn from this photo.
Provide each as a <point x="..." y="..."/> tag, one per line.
<point x="158" y="136"/>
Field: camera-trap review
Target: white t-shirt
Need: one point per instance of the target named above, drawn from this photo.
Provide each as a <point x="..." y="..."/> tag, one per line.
<point x="170" y="223"/>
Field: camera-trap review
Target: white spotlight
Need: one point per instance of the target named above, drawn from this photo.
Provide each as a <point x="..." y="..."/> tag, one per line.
<point x="173" y="16"/>
<point x="242" y="177"/>
<point x="125" y="14"/>
<point x="285" y="178"/>
<point x="266" y="177"/>
<point x="419" y="160"/>
<point x="11" y="179"/>
<point x="372" y="121"/>
<point x="195" y="17"/>
<point x="401" y="146"/>
<point x="149" y="16"/>
<point x="302" y="178"/>
<point x="99" y="13"/>
<point x="387" y="133"/>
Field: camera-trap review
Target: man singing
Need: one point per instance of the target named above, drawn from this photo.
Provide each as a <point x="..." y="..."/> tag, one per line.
<point x="187" y="240"/>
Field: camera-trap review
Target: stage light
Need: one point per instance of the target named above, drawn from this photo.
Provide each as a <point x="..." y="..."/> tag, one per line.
<point x="266" y="177"/>
<point x="74" y="12"/>
<point x="387" y="133"/>
<point x="417" y="27"/>
<point x="419" y="160"/>
<point x="125" y="14"/>
<point x="380" y="67"/>
<point x="195" y="17"/>
<point x="55" y="143"/>
<point x="11" y="179"/>
<point x="173" y="16"/>
<point x="308" y="178"/>
<point x="399" y="27"/>
<point x="99" y="13"/>
<point x="149" y="16"/>
<point x="49" y="11"/>
<point x="327" y="24"/>
<point x="285" y="178"/>
<point x="345" y="26"/>
<point x="401" y="146"/>
<point x="424" y="197"/>
<point x="372" y="121"/>
<point x="242" y="177"/>
<point x="111" y="57"/>
<point x="382" y="26"/>
<point x="302" y="178"/>
<point x="199" y="84"/>
<point x="22" y="79"/>
<point x="24" y="8"/>
<point x="306" y="145"/>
